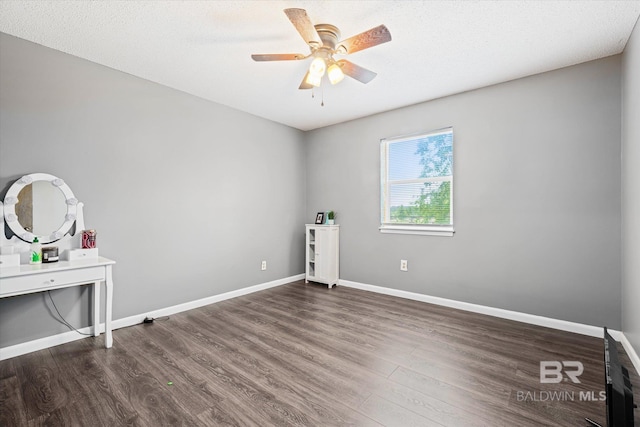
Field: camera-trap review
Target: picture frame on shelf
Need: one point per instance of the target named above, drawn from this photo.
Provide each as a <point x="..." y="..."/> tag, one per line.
<point x="320" y="218"/>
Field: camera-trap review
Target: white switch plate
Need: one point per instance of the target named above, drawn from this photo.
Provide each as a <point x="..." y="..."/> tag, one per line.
<point x="404" y="265"/>
<point x="264" y="265"/>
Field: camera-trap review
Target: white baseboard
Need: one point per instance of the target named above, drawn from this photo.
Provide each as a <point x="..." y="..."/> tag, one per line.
<point x="42" y="343"/>
<point x="563" y="325"/>
<point x="168" y="311"/>
<point x="631" y="352"/>
<point x="63" y="338"/>
<point x="533" y="319"/>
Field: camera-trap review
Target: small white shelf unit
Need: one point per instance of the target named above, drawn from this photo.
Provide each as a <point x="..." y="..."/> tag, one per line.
<point x="322" y="254"/>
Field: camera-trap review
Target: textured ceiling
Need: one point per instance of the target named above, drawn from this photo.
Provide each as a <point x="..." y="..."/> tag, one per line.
<point x="439" y="48"/>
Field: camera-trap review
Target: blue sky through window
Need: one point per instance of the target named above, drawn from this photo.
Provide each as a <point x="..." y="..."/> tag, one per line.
<point x="417" y="181"/>
<point x="404" y="163"/>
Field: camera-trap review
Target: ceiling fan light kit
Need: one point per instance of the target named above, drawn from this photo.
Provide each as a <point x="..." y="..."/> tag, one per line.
<point x="317" y="67"/>
<point x="323" y="43"/>
<point x="313" y="80"/>
<point x="335" y="73"/>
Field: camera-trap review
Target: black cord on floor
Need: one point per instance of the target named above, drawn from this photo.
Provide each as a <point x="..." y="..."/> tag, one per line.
<point x="61" y="319"/>
<point x="153" y="319"/>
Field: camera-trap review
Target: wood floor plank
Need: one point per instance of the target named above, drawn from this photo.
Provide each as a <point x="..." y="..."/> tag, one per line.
<point x="42" y="384"/>
<point x="303" y="354"/>
<point x="431" y="408"/>
<point x="77" y="361"/>
<point x="371" y="331"/>
<point x="151" y="397"/>
<point x="275" y="374"/>
<point x="162" y="362"/>
<point x="7" y="369"/>
<point x="494" y="411"/>
<point x="13" y="411"/>
<point x="342" y="343"/>
<point x="260" y="401"/>
<point x="318" y="368"/>
<point x="244" y="359"/>
<point x="391" y="414"/>
<point x="219" y="363"/>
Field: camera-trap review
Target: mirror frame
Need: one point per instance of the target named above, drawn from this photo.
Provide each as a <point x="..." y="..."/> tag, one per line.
<point x="11" y="199"/>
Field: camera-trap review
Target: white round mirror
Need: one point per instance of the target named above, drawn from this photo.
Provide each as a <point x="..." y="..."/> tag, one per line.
<point x="40" y="205"/>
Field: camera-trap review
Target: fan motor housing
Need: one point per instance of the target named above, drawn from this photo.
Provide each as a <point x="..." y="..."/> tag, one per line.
<point x="329" y="34"/>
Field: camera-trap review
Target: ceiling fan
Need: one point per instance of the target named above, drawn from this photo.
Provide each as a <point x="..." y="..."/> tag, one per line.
<point x="323" y="43"/>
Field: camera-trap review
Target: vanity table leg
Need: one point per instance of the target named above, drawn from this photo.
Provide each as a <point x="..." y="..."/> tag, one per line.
<point x="108" y="339"/>
<point x="96" y="309"/>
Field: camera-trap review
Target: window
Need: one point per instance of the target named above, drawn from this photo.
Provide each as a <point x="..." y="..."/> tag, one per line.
<point x="417" y="184"/>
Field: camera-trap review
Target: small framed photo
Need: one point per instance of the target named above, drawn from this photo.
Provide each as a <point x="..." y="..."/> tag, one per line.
<point x="320" y="218"/>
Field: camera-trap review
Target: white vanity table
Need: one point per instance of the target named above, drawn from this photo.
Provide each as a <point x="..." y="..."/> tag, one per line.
<point x="42" y="205"/>
<point x="27" y="279"/>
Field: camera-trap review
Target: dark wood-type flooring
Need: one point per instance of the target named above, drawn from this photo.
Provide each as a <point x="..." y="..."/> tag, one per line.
<point x="305" y="355"/>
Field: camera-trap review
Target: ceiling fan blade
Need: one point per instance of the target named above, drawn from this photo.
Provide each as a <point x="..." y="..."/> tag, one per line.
<point x="277" y="57"/>
<point x="355" y="71"/>
<point x="301" y="21"/>
<point x="369" y="38"/>
<point x="304" y="84"/>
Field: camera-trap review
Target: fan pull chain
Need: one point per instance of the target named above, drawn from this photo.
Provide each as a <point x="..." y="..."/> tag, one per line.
<point x="313" y="95"/>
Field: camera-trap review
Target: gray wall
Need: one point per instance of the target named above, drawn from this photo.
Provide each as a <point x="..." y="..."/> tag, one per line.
<point x="187" y="196"/>
<point x="537" y="196"/>
<point x="537" y="190"/>
<point x="631" y="190"/>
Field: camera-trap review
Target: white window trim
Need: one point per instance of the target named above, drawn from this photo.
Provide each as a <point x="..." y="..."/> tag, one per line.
<point x="424" y="230"/>
<point x="416" y="229"/>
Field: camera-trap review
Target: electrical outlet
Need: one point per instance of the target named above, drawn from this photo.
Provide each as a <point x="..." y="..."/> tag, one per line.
<point x="264" y="265"/>
<point x="404" y="265"/>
